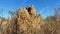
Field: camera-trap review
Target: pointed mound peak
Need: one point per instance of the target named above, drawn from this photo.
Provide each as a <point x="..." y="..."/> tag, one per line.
<point x="31" y="10"/>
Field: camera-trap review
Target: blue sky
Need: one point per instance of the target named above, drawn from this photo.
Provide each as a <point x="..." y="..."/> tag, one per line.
<point x="40" y="5"/>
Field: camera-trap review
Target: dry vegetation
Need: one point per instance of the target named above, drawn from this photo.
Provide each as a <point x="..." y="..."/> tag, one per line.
<point x="26" y="21"/>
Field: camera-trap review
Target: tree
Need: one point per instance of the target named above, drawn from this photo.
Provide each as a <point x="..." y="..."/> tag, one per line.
<point x="12" y="14"/>
<point x="57" y="12"/>
<point x="12" y="24"/>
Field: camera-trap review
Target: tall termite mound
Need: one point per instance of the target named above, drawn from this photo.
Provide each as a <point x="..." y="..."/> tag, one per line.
<point x="28" y="22"/>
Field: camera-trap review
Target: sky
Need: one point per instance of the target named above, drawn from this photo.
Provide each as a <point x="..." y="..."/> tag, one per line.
<point x="43" y="7"/>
